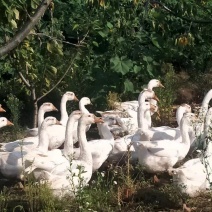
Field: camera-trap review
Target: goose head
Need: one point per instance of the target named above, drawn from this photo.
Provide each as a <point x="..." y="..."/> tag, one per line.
<point x="5" y="122"/>
<point x="76" y="114"/>
<point x="186" y="107"/>
<point x="189" y="119"/>
<point x="85" y="101"/>
<point x="70" y="96"/>
<point x="47" y="107"/>
<point x="1" y="109"/>
<point x="50" y="120"/>
<point x="110" y="120"/>
<point x="90" y="119"/>
<point x="149" y="94"/>
<point x="154" y="83"/>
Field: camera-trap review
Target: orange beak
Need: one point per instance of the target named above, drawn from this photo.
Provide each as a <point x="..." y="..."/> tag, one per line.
<point x="161" y="85"/>
<point x="76" y="99"/>
<point x="152" y="107"/>
<point x="156" y="98"/>
<point x="98" y="120"/>
<point x="1" y="109"/>
<point x="58" y="123"/>
<point x="9" y="123"/>
<point x="54" y="108"/>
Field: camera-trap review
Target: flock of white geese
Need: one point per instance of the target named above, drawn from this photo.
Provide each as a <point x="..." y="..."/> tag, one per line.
<point x="50" y="155"/>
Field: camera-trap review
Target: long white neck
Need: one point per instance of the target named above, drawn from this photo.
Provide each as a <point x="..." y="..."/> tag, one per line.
<point x="85" y="153"/>
<point x="41" y="113"/>
<point x="148" y="118"/>
<point x="179" y="114"/>
<point x="142" y="122"/>
<point x="207" y="134"/>
<point x="43" y="139"/>
<point x="204" y="106"/>
<point x="105" y="131"/>
<point x="82" y="108"/>
<point x="68" y="144"/>
<point x="141" y="98"/>
<point x="64" y="114"/>
<point x="184" y="129"/>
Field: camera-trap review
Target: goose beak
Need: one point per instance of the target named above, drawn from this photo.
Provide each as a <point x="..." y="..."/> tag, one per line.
<point x="54" y="108"/>
<point x="1" y="109"/>
<point x="158" y="113"/>
<point x="156" y="98"/>
<point x="58" y="123"/>
<point x="152" y="107"/>
<point x="161" y="85"/>
<point x="76" y="99"/>
<point x="9" y="123"/>
<point x="98" y="120"/>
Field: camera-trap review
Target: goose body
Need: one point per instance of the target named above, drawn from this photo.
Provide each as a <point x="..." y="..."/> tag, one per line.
<point x="80" y="171"/>
<point x="29" y="142"/>
<point x="195" y="175"/>
<point x="12" y="164"/>
<point x="160" y="155"/>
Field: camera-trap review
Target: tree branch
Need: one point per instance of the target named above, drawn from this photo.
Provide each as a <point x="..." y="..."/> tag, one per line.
<point x="24" y="80"/>
<point x="182" y="17"/>
<point x="59" y="81"/>
<point x="65" y="73"/>
<point x="26" y="28"/>
<point x="53" y="38"/>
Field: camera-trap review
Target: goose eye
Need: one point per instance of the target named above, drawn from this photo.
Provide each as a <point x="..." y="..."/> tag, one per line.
<point x="89" y="115"/>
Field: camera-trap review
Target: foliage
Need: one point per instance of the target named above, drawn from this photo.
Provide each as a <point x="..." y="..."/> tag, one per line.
<point x="117" y="46"/>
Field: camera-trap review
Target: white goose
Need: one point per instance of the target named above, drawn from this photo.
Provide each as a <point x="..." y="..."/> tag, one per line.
<point x="166" y="132"/>
<point x="133" y="105"/>
<point x="101" y="148"/>
<point x="4" y="122"/>
<point x="45" y="107"/>
<point x="195" y="175"/>
<point x="61" y="163"/>
<point x="12" y="163"/>
<point x="123" y="144"/>
<point x="29" y="142"/>
<point x="68" y="96"/>
<point x="83" y="101"/>
<point x="197" y="140"/>
<point x="159" y="156"/>
<point x="80" y="171"/>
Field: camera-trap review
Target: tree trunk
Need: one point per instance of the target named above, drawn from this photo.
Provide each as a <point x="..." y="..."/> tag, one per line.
<point x="26" y="28"/>
<point x="35" y="113"/>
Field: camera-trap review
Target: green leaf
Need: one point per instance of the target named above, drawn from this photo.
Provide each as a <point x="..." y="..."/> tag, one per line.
<point x="136" y="69"/>
<point x="109" y="25"/>
<point x="13" y="24"/>
<point x="95" y="43"/>
<point x="102" y="34"/>
<point x="156" y="40"/>
<point x="53" y="69"/>
<point x="16" y="12"/>
<point x="121" y="65"/>
<point x="50" y="47"/>
<point x="150" y="70"/>
<point x="47" y="82"/>
<point x="128" y="86"/>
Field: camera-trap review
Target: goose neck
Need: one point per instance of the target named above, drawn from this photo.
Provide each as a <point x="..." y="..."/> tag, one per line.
<point x="105" y="132"/>
<point x="41" y="113"/>
<point x="85" y="154"/>
<point x="82" y="108"/>
<point x="141" y="118"/>
<point x="184" y="129"/>
<point x="64" y="114"/>
<point x="68" y="144"/>
<point x="43" y="139"/>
